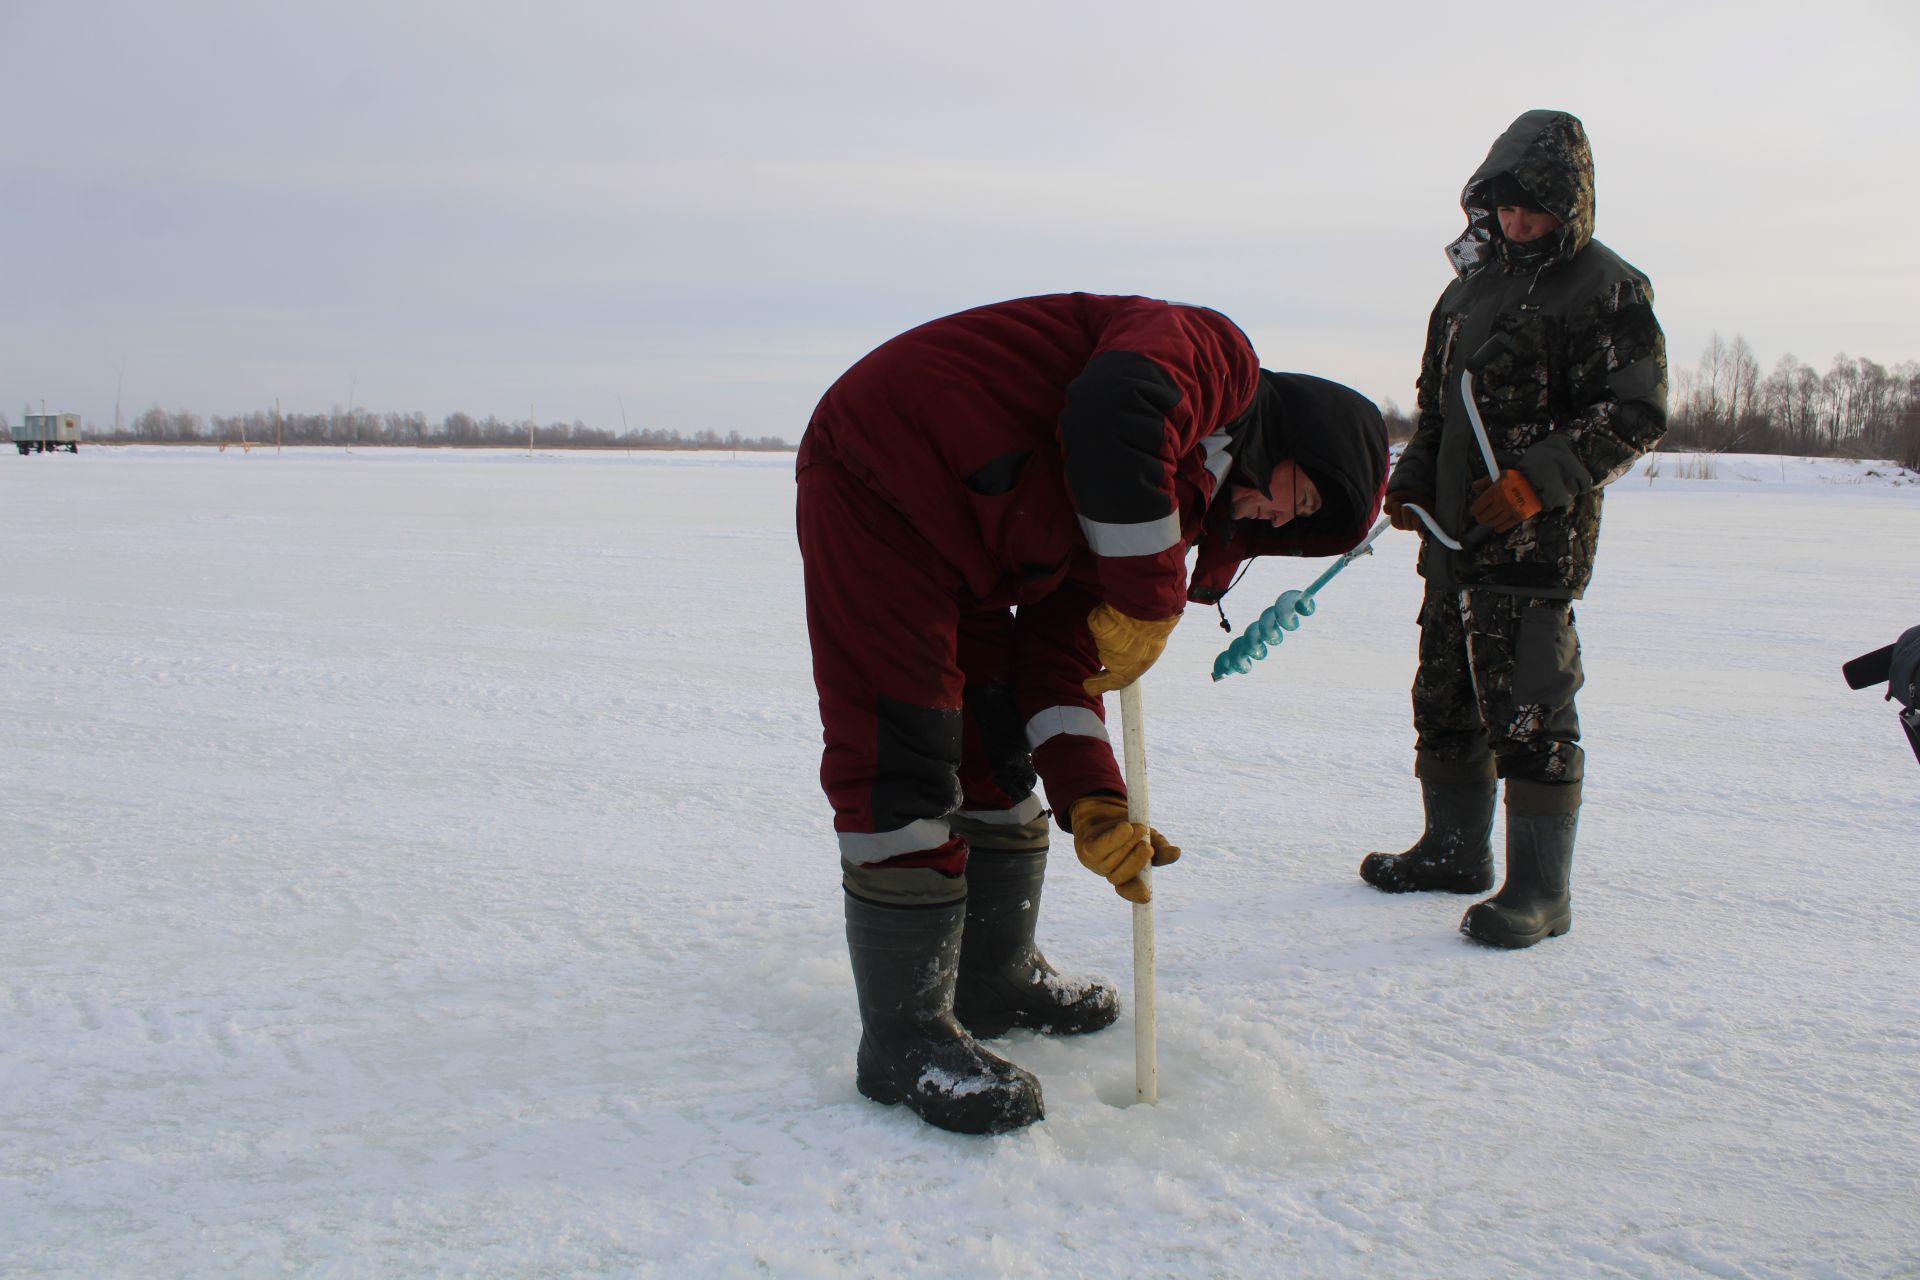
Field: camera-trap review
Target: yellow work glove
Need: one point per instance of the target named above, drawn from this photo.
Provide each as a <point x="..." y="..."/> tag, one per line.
<point x="1120" y="850"/>
<point x="1128" y="647"/>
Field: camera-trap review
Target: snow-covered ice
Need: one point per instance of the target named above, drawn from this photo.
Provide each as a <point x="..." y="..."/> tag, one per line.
<point x="414" y="863"/>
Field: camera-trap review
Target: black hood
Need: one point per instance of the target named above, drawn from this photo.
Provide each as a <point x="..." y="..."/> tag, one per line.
<point x="1328" y="430"/>
<point x="1335" y="435"/>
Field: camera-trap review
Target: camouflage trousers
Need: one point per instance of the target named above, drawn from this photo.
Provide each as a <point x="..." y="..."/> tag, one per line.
<point x="1496" y="679"/>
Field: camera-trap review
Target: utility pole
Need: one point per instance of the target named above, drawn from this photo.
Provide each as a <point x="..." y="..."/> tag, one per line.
<point x="530" y="422"/>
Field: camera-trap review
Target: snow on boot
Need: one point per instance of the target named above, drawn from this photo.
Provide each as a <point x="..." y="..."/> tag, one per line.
<point x="911" y="1049"/>
<point x="1453" y="854"/>
<point x="1004" y="980"/>
<point x="1536" y="901"/>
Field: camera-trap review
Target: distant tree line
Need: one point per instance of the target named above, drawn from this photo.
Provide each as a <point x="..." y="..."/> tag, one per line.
<point x="362" y="427"/>
<point x="1857" y="408"/>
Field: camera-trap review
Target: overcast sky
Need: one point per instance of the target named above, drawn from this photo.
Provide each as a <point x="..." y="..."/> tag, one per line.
<point x="708" y="209"/>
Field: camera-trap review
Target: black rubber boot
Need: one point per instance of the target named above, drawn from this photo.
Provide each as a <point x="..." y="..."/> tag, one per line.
<point x="911" y="1049"/>
<point x="1453" y="855"/>
<point x="1004" y="980"/>
<point x="1536" y="902"/>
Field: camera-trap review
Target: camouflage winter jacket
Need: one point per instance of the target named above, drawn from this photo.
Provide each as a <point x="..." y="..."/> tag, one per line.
<point x="1569" y="369"/>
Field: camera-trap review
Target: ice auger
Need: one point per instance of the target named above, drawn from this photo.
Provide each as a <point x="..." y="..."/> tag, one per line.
<point x="1284" y="615"/>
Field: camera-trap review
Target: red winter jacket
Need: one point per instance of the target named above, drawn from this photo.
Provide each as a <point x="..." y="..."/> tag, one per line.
<point x="1081" y="438"/>
<point x="1062" y="434"/>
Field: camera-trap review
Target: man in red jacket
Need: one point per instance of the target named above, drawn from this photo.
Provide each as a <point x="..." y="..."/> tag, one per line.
<point x="995" y="511"/>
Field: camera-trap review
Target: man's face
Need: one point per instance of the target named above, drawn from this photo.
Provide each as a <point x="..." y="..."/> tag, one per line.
<point x="1289" y="493"/>
<point x="1523" y="226"/>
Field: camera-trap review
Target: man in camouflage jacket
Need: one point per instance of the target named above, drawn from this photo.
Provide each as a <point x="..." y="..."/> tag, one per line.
<point x="1568" y="372"/>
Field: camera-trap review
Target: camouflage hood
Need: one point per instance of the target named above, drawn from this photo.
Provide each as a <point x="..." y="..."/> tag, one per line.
<point x="1546" y="152"/>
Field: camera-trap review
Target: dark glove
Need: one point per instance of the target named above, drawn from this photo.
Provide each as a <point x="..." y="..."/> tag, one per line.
<point x="1395" y="508"/>
<point x="1109" y="845"/>
<point x="1505" y="501"/>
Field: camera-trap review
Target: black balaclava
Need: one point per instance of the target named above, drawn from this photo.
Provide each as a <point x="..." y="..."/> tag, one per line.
<point x="1506" y="190"/>
<point x="1329" y="431"/>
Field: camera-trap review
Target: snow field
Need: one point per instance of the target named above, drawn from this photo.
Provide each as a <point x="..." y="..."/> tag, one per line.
<point x="414" y="864"/>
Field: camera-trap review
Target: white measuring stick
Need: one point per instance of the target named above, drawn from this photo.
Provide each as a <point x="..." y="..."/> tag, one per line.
<point x="1146" y="1056"/>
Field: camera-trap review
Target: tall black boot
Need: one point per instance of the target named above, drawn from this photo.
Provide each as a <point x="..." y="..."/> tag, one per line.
<point x="1453" y="854"/>
<point x="911" y="1049"/>
<point x="1004" y="980"/>
<point x="1536" y="901"/>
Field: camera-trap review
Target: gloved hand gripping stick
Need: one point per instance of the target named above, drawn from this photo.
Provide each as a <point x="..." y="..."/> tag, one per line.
<point x="1529" y="502"/>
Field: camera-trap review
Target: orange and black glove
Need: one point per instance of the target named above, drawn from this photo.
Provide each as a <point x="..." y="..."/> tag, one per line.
<point x="1120" y="850"/>
<point x="1128" y="646"/>
<point x="1505" y="500"/>
<point x="1395" y="508"/>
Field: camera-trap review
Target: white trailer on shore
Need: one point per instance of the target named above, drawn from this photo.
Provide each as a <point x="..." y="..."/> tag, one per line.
<point x="47" y="432"/>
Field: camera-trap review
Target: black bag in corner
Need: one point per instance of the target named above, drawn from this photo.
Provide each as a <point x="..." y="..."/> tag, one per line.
<point x="1903" y="669"/>
<point x="1899" y="665"/>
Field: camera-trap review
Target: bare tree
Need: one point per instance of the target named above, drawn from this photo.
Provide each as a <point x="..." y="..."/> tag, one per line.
<point x="159" y="426"/>
<point x="1779" y="399"/>
<point x="1399" y="425"/>
<point x="1719" y="401"/>
<point x="1840" y="390"/>
<point x="1906" y="438"/>
<point x="1743" y="391"/>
